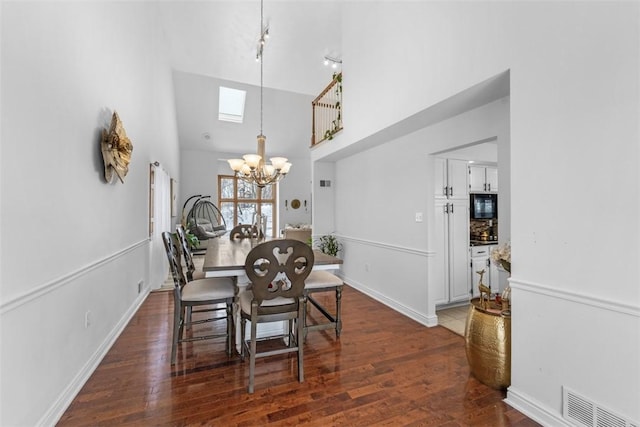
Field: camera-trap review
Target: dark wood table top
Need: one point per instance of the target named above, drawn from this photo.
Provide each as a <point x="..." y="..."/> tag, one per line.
<point x="223" y="254"/>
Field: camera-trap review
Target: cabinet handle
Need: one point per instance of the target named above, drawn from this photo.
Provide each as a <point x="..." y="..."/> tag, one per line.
<point x="489" y="185"/>
<point x="444" y="191"/>
<point x="446" y="208"/>
<point x="452" y="208"/>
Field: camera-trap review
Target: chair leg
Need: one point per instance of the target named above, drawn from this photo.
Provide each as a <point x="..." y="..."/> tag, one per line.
<point x="300" y="343"/>
<point x="338" y="311"/>
<point x="188" y="317"/>
<point x="177" y="332"/>
<point x="252" y="355"/>
<point x="304" y="317"/>
<point x="230" y="331"/>
<point x="243" y="342"/>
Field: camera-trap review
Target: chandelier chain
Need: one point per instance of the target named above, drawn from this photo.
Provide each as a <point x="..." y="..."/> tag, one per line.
<point x="261" y="58"/>
<point x="252" y="168"/>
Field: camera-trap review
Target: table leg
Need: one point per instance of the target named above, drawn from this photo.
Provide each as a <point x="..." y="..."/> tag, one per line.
<point x="242" y="282"/>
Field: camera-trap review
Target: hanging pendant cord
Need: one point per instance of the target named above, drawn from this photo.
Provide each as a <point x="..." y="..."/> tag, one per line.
<point x="261" y="57"/>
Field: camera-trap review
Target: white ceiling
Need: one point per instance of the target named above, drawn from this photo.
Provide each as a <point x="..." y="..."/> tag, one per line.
<point x="214" y="41"/>
<point x="219" y="39"/>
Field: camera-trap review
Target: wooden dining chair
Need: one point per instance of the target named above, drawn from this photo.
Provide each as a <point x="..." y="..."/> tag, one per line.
<point x="244" y="231"/>
<point x="323" y="281"/>
<point x="200" y="292"/>
<point x="187" y="255"/>
<point x="277" y="270"/>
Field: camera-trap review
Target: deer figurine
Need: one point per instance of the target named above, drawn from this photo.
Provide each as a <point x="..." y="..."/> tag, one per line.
<point x="485" y="291"/>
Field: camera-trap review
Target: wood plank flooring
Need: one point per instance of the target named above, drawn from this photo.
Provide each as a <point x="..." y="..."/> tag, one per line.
<point x="385" y="370"/>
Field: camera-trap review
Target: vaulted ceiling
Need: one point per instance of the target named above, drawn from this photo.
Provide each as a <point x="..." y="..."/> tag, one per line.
<point x="214" y="41"/>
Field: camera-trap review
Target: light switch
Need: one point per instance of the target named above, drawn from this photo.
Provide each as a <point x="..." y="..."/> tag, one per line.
<point x="418" y="216"/>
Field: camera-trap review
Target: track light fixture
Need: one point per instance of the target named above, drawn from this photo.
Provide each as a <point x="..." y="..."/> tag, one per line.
<point x="334" y="62"/>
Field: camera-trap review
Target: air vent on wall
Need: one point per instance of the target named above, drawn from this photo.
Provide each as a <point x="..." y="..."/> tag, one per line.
<point x="583" y="412"/>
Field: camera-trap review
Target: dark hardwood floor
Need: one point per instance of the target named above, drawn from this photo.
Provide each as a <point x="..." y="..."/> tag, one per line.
<point x="385" y="370"/>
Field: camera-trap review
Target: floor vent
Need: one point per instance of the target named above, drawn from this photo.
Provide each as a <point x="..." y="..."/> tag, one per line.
<point x="582" y="412"/>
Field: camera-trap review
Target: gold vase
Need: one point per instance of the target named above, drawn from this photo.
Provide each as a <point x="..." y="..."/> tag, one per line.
<point x="488" y="345"/>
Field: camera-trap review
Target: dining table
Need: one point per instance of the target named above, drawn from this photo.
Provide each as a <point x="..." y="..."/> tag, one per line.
<point x="226" y="258"/>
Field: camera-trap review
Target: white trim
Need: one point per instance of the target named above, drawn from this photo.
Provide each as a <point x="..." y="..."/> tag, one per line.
<point x="58" y="408"/>
<point x="412" y="251"/>
<point x="598" y="302"/>
<point x="51" y="286"/>
<point x="533" y="409"/>
<point x="395" y="305"/>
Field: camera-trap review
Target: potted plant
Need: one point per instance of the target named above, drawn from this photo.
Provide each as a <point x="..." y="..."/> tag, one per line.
<point x="329" y="244"/>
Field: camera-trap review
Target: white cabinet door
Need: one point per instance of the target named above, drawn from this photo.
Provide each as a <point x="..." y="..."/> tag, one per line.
<point x="481" y="260"/>
<point x="449" y="273"/>
<point x="450" y="179"/>
<point x="440" y="178"/>
<point x="483" y="179"/>
<point x="439" y="274"/>
<point x="476" y="179"/>
<point x="459" y="286"/>
<point x="491" y="178"/>
<point x="457" y="178"/>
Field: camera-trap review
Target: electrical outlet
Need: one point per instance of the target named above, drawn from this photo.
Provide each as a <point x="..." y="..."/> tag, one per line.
<point x="418" y="216"/>
<point x="87" y="319"/>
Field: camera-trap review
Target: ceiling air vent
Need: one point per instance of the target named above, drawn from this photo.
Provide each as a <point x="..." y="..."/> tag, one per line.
<point x="583" y="412"/>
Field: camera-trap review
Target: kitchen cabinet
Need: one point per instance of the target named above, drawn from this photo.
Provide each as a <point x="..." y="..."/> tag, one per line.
<point x="451" y="179"/>
<point x="481" y="260"/>
<point x="483" y="179"/>
<point x="450" y="272"/>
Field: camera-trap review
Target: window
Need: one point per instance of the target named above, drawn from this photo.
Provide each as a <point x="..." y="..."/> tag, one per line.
<point x="231" y="105"/>
<point x="240" y="202"/>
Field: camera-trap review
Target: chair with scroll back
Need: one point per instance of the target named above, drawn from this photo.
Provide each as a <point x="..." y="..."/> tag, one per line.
<point x="199" y="292"/>
<point x="277" y="270"/>
<point x="244" y="231"/>
<point x="187" y="255"/>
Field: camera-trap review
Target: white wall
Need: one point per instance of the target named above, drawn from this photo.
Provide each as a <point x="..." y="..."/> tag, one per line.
<point x="375" y="215"/>
<point x="71" y="243"/>
<point x="574" y="140"/>
<point x="296" y="185"/>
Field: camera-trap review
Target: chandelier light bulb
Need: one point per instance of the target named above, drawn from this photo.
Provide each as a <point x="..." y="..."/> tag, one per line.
<point x="253" y="160"/>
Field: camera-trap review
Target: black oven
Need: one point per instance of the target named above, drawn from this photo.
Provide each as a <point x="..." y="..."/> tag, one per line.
<point x="483" y="206"/>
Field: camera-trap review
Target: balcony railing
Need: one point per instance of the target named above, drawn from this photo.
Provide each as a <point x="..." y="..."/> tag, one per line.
<point x="327" y="112"/>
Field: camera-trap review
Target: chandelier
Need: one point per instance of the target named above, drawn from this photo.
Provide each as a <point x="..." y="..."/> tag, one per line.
<point x="252" y="168"/>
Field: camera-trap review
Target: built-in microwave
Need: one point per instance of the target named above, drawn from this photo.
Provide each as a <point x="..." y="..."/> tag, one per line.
<point x="483" y="206"/>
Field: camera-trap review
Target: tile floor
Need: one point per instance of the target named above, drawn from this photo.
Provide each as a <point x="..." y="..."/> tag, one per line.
<point x="453" y="318"/>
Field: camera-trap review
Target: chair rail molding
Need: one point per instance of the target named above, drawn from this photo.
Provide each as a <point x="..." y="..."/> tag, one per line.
<point x="554" y="292"/>
<point x="54" y="284"/>
<point x="412" y="251"/>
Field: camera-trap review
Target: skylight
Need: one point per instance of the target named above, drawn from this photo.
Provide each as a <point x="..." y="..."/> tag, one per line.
<point x="231" y="105"/>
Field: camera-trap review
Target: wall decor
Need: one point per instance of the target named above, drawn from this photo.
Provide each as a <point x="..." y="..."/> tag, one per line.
<point x="116" y="150"/>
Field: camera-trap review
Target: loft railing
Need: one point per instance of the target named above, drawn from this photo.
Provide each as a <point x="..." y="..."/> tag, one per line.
<point x="327" y="112"/>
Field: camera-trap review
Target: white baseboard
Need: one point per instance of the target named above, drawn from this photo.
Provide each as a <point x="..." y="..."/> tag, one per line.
<point x="55" y="412"/>
<point x="533" y="409"/>
<point x="421" y="318"/>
